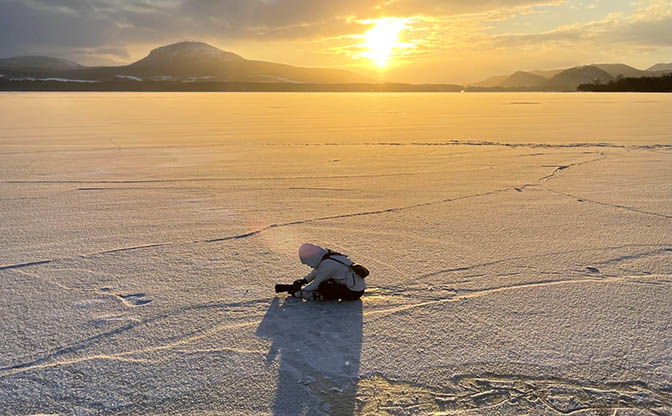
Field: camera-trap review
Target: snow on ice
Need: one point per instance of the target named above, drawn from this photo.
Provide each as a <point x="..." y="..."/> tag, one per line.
<point x="508" y="276"/>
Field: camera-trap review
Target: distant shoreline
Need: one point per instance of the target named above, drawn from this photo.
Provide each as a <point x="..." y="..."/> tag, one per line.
<point x="174" y="86"/>
<point x="642" y="84"/>
<point x="8" y="85"/>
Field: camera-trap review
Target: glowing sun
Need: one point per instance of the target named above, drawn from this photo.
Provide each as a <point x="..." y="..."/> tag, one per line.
<point x="382" y="40"/>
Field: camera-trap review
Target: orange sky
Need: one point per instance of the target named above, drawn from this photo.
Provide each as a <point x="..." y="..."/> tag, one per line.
<point x="399" y="40"/>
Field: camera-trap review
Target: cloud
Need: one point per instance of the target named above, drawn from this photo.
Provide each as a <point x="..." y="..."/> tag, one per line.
<point x="58" y="24"/>
<point x="33" y="24"/>
<point x="649" y="26"/>
<point x="455" y="7"/>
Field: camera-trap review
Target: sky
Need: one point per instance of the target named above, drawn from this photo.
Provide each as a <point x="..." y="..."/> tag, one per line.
<point x="456" y="41"/>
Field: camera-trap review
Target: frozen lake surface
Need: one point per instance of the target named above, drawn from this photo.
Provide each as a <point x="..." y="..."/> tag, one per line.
<point x="520" y="248"/>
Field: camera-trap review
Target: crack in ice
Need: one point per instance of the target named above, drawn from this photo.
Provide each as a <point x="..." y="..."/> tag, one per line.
<point x="544" y="180"/>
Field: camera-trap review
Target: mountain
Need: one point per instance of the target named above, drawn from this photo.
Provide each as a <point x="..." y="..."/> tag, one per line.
<point x="514" y="80"/>
<point x="185" y="58"/>
<point x="661" y="68"/>
<point x="621" y="70"/>
<point x="208" y="68"/>
<point x="524" y="80"/>
<point x="567" y="79"/>
<point x="181" y="62"/>
<point x="196" y="60"/>
<point x="490" y="82"/>
<point x="571" y="78"/>
<point x="547" y="73"/>
<point x="36" y="64"/>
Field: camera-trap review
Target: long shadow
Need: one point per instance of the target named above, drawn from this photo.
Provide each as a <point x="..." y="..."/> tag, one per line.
<point x="317" y="346"/>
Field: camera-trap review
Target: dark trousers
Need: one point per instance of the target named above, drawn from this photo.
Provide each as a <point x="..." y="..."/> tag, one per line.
<point x="330" y="290"/>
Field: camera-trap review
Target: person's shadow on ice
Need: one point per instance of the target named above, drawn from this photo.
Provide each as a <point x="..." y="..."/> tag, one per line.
<point x="317" y="346"/>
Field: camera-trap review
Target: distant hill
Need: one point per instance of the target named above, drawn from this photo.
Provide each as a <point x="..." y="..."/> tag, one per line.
<point x="547" y="73"/>
<point x="196" y="60"/>
<point x="491" y="82"/>
<point x="616" y="70"/>
<point x="566" y="79"/>
<point x="37" y="64"/>
<point x="171" y="67"/>
<point x="190" y="66"/>
<point x="515" y="79"/>
<point x="184" y="62"/>
<point x="661" y="68"/>
<point x="523" y="79"/>
<point x="563" y="80"/>
<point x="569" y="79"/>
<point x="184" y="58"/>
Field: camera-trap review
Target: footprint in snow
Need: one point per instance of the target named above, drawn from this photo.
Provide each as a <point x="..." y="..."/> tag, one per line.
<point x="134" y="299"/>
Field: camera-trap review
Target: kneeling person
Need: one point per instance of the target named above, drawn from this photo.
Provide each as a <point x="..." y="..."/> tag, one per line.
<point x="332" y="277"/>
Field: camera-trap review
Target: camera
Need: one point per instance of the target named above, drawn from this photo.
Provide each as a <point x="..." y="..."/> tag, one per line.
<point x="291" y="289"/>
<point x="285" y="288"/>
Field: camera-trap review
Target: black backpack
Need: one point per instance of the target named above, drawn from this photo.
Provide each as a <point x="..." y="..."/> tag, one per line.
<point x="357" y="268"/>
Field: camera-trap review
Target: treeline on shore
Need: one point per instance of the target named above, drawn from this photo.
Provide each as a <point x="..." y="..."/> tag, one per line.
<point x="644" y="84"/>
<point x="205" y="86"/>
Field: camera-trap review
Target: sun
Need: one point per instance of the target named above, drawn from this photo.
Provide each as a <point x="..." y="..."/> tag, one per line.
<point x="382" y="40"/>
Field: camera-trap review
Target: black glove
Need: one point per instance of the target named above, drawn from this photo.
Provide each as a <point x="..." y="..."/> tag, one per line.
<point x="296" y="286"/>
<point x="300" y="282"/>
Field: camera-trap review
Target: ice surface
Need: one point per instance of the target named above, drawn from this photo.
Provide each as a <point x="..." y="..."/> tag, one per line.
<point x="131" y="77"/>
<point x="53" y="79"/>
<point x="508" y="276"/>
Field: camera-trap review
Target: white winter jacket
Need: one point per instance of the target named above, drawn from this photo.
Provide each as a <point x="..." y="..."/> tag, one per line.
<point x="330" y="268"/>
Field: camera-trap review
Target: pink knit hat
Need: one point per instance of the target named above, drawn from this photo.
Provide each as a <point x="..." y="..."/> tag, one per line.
<point x="311" y="255"/>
